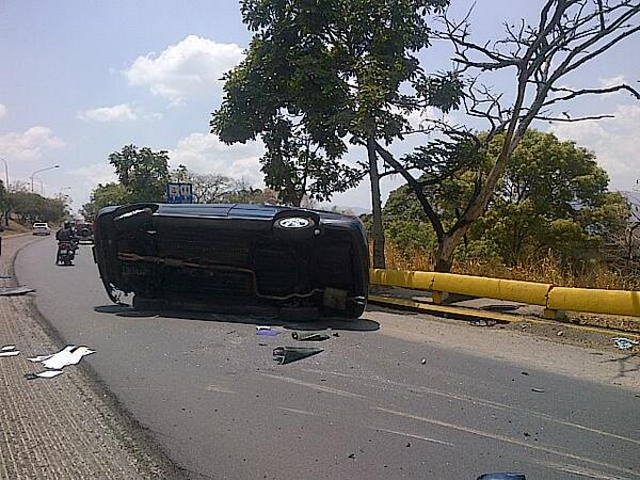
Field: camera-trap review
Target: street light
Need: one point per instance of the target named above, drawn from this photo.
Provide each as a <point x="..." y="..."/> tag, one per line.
<point x="6" y="172"/>
<point x="39" y="171"/>
<point x="41" y="186"/>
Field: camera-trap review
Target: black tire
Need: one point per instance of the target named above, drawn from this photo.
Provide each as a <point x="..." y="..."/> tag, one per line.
<point x="294" y="228"/>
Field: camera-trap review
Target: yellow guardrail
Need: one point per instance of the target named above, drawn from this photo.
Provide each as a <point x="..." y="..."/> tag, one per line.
<point x="553" y="298"/>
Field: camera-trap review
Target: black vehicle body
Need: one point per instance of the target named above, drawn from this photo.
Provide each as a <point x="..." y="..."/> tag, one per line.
<point x="221" y="256"/>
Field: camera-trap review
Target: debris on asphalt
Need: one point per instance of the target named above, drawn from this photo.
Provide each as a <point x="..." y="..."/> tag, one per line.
<point x="423" y="361"/>
<point x="352" y="455"/>
<point x="11" y="291"/>
<point x="537" y="390"/>
<point x="502" y="476"/>
<point x="44" y="374"/>
<point x="69" y="355"/>
<point x="284" y="355"/>
<point x="560" y="333"/>
<point x="524" y="373"/>
<point x="500" y="307"/>
<point x="483" y="323"/>
<point x="267" y="331"/>
<point x="309" y="337"/>
<point x="625" y="343"/>
<point x="336" y="334"/>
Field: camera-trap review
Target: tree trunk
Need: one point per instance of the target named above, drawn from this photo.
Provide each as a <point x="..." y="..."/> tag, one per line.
<point x="446" y="249"/>
<point x="377" y="230"/>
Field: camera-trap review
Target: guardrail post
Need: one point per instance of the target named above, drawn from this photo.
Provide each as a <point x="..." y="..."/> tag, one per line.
<point x="439" y="297"/>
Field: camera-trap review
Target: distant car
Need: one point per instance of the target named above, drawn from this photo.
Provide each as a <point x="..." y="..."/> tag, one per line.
<point x="41" y="229"/>
<point x="207" y="257"/>
<point x="84" y="232"/>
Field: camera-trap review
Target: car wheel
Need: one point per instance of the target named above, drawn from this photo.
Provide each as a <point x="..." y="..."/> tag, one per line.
<point x="295" y="228"/>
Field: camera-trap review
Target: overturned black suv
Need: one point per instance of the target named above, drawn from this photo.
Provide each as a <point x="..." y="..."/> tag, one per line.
<point x="216" y="257"/>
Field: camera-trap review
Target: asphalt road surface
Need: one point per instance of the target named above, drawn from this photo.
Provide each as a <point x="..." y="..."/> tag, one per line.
<point x="375" y="404"/>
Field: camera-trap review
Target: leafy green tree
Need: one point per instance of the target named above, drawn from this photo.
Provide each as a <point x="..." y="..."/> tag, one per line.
<point x="103" y="196"/>
<point x="334" y="70"/>
<point x="296" y="168"/>
<point x="31" y="207"/>
<point x="553" y="196"/>
<point x="142" y="172"/>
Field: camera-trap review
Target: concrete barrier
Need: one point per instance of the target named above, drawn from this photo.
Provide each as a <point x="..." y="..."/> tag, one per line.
<point x="554" y="299"/>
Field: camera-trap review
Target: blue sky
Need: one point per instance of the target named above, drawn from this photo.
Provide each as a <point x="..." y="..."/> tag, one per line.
<point x="81" y="78"/>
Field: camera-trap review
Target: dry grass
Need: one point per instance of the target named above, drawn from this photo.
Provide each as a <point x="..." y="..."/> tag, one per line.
<point x="545" y="269"/>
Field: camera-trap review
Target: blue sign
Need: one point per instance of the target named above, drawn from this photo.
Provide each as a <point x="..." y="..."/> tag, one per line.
<point x="179" y="193"/>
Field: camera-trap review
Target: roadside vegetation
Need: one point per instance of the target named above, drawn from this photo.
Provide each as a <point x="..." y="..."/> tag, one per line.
<point x="552" y="219"/>
<point x="143" y="175"/>
<point x="25" y="208"/>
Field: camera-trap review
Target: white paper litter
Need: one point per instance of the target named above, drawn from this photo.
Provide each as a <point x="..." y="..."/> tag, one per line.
<point x="11" y="353"/>
<point x="44" y="374"/>
<point x="69" y="355"/>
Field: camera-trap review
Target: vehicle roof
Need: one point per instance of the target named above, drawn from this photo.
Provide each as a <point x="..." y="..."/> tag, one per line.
<point x="230" y="210"/>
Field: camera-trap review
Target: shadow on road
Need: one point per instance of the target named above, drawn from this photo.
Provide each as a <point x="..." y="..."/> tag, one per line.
<point x="289" y="322"/>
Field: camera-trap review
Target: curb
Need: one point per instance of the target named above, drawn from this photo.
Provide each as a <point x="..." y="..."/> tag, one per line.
<point x="465" y="313"/>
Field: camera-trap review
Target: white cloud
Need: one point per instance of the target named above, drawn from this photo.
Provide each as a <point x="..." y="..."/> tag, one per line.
<point x="116" y="113"/>
<point x="190" y="69"/>
<point x="95" y="173"/>
<point x="612" y="81"/>
<point x="3" y="110"/>
<point x="205" y="153"/>
<point x="614" y="142"/>
<point x="29" y="145"/>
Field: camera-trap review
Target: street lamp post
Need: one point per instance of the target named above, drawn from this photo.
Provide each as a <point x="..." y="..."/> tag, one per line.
<point x="39" y="171"/>
<point x="6" y="172"/>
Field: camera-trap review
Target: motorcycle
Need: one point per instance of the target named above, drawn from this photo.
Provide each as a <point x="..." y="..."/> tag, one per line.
<point x="66" y="253"/>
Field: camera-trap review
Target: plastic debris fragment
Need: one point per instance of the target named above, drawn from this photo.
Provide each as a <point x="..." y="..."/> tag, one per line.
<point x="284" y="355"/>
<point x="625" y="343"/>
<point x="309" y="337"/>
<point x="267" y="331"/>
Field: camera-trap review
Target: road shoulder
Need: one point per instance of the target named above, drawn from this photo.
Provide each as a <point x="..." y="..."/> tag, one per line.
<point x="69" y="426"/>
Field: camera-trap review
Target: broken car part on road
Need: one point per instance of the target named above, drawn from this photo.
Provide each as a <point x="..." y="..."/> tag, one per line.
<point x="203" y="256"/>
<point x="309" y="337"/>
<point x="284" y="355"/>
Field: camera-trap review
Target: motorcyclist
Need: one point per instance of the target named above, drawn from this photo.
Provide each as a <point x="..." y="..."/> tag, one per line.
<point x="65" y="234"/>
